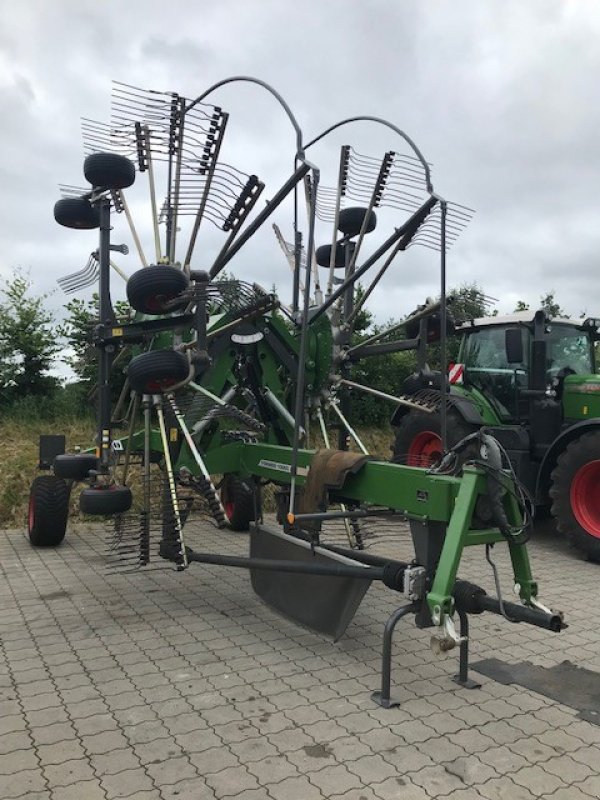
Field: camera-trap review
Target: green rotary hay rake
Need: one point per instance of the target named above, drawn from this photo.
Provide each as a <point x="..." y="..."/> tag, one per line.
<point x="226" y="385"/>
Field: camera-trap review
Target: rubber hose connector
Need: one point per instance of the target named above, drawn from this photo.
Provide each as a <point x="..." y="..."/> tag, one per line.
<point x="393" y="577"/>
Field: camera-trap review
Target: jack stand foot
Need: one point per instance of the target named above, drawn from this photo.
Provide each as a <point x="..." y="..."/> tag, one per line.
<point x="384" y="702"/>
<point x="463" y="664"/>
<point x="466" y="684"/>
<point x="382" y="698"/>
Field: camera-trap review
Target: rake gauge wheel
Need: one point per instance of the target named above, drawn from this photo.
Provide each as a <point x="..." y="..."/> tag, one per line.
<point x="76" y="212"/>
<point x="109" y="171"/>
<point x="323" y="256"/>
<point x="351" y="220"/>
<point x="150" y="288"/>
<point x="105" y="500"/>
<point x="157" y="371"/>
<point x="241" y="501"/>
<point x="74" y="466"/>
<point x="48" y="511"/>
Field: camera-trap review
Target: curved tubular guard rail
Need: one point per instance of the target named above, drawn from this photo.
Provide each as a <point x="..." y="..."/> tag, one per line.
<point x="387" y="124"/>
<point x="265" y="85"/>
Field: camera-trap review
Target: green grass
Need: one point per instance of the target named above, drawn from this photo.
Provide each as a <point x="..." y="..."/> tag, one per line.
<point x="18" y="466"/>
<point x="20" y="458"/>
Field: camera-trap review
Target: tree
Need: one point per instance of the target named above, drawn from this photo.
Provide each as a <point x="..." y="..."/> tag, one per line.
<point x="77" y="328"/>
<point x="28" y="342"/>
<point x="550" y="306"/>
<point x="469" y="301"/>
<point x="521" y="306"/>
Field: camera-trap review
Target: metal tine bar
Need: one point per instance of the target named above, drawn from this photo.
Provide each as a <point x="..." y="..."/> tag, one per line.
<point x="288" y="250"/>
<point x="132" y="228"/>
<point x="385" y="396"/>
<point x="377" y="189"/>
<point x="179" y="127"/>
<point x="408" y="229"/>
<point x="171" y="483"/>
<point x="309" y="211"/>
<point x="325" y="436"/>
<point x="145" y="133"/>
<point x="365" y="296"/>
<point x="341" y="188"/>
<point x="241" y="218"/>
<point x="351" y="432"/>
<point x="244" y="204"/>
<point x="266" y="212"/>
<point x="118" y="270"/>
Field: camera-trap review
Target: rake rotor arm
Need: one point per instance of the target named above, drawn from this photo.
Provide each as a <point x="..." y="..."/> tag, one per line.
<point x="403" y="235"/>
<point x="270" y="207"/>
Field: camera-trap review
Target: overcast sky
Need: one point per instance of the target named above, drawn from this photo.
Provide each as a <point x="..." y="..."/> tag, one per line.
<point x="500" y="96"/>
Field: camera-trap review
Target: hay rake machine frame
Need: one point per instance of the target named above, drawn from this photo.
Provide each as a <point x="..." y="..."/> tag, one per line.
<point x="213" y="353"/>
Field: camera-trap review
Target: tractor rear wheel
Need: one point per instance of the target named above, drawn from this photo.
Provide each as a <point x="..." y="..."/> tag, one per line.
<point x="48" y="511"/>
<point x="241" y="501"/>
<point x="418" y="439"/>
<point x="575" y="493"/>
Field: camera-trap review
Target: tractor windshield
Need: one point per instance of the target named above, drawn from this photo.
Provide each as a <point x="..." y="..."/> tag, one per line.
<point x="568" y="348"/>
<point x="484" y="355"/>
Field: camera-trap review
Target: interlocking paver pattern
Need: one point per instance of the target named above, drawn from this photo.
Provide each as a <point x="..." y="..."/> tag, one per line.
<point x="167" y="686"/>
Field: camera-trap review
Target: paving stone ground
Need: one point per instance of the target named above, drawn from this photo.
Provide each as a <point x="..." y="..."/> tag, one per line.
<point x="185" y="687"/>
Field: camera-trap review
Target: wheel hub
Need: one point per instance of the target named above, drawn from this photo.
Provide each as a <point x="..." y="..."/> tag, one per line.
<point x="425" y="450"/>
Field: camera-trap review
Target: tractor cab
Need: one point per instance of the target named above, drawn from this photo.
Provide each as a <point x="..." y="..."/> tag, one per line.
<point x="522" y="358"/>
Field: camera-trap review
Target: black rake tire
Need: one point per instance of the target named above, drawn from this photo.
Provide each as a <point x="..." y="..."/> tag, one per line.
<point x="575" y="493"/>
<point x="109" y="171"/>
<point x="157" y="371"/>
<point x="323" y="256"/>
<point x="418" y="438"/>
<point x="74" y="466"/>
<point x="48" y="511"/>
<point x="76" y="212"/>
<point x="150" y="288"/>
<point x="351" y="220"/>
<point x="105" y="500"/>
<point x="241" y="501"/>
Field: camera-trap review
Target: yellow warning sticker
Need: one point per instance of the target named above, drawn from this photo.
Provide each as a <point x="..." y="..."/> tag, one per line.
<point x="173" y="434"/>
<point x="117" y="331"/>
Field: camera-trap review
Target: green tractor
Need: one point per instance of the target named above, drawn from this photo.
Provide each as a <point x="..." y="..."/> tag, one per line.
<point x="530" y="381"/>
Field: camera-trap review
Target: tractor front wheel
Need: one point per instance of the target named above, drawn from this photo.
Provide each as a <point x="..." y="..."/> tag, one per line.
<point x="48" y="511"/>
<point x="575" y="493"/>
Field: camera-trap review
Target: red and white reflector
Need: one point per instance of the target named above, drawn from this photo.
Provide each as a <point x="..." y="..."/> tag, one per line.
<point x="456" y="373"/>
